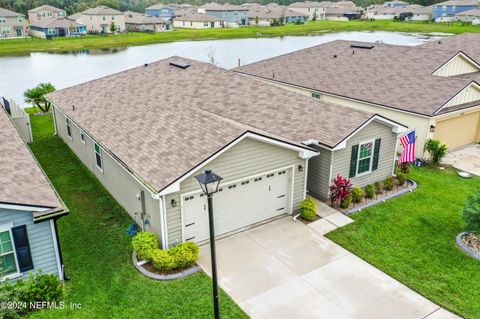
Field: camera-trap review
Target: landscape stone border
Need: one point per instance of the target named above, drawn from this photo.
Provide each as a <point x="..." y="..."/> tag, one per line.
<point x="409" y="189"/>
<point x="464" y="247"/>
<point x="192" y="270"/>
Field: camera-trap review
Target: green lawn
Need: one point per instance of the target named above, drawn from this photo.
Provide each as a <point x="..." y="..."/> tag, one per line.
<point x="412" y="238"/>
<point x="15" y="46"/>
<point x="97" y="252"/>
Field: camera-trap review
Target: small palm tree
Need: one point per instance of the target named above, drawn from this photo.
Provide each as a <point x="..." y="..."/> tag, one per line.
<point x="36" y="96"/>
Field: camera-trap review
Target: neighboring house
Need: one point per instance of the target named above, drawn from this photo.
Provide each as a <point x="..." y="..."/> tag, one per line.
<point x="233" y="15"/>
<point x="395" y="4"/>
<point x="12" y="24"/>
<point x="161" y="10"/>
<point x="29" y="209"/>
<point x="99" y="19"/>
<point x="138" y="22"/>
<point x="420" y="13"/>
<point x="146" y="145"/>
<point x="345" y="4"/>
<point x="472" y="16"/>
<point x="181" y="11"/>
<point x="343" y="13"/>
<point x="267" y="15"/>
<point x="45" y="12"/>
<point x="434" y="91"/>
<point x="57" y="27"/>
<point x="314" y="10"/>
<point x="198" y="21"/>
<point x="412" y="12"/>
<point x="449" y="9"/>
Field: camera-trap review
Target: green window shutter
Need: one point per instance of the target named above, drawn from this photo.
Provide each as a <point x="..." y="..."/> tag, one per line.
<point x="353" y="161"/>
<point x="376" y="154"/>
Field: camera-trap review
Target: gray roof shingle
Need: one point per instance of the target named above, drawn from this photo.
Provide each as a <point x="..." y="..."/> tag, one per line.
<point x="101" y="10"/>
<point x="9" y="13"/>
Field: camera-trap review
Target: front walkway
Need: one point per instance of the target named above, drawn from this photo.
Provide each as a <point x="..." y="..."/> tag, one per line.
<point x="466" y="159"/>
<point x="285" y="269"/>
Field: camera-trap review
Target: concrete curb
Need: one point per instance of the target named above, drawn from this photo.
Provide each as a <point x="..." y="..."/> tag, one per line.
<point x="413" y="186"/>
<point x="464" y="247"/>
<point x="192" y="270"/>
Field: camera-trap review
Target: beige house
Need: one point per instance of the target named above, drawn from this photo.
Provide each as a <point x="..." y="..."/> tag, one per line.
<point x="45" y="12"/>
<point x="268" y="15"/>
<point x="12" y="24"/>
<point x="472" y="16"/>
<point x="100" y="19"/>
<point x="198" y="21"/>
<point x="146" y="146"/>
<point x="139" y="22"/>
<point x="432" y="88"/>
<point x="315" y="10"/>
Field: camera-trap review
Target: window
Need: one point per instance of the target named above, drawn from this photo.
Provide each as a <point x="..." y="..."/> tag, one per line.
<point x="365" y="157"/>
<point x="205" y="24"/>
<point x="103" y="18"/>
<point x="316" y="95"/>
<point x="20" y="19"/>
<point x="69" y="128"/>
<point x="113" y="17"/>
<point x="82" y="136"/>
<point x="98" y="156"/>
<point x="8" y="261"/>
<point x="3" y="19"/>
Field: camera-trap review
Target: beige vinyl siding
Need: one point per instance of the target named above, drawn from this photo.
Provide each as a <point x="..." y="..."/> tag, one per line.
<point x="456" y="66"/>
<point x="196" y="24"/>
<point x="469" y="94"/>
<point x="247" y="158"/>
<point x="318" y="178"/>
<point x="459" y="130"/>
<point x="121" y="185"/>
<point x="374" y="130"/>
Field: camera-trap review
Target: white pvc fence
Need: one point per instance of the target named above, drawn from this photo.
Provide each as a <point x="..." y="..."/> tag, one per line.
<point x="19" y="118"/>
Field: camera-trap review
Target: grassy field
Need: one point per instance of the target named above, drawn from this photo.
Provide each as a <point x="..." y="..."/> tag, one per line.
<point x="19" y="46"/>
<point x="412" y="238"/>
<point x="97" y="252"/>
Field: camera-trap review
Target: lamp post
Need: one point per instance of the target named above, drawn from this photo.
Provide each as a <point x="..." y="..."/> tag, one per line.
<point x="209" y="183"/>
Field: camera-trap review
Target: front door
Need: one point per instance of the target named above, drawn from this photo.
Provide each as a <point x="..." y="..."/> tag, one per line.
<point x="19" y="32"/>
<point x="212" y="24"/>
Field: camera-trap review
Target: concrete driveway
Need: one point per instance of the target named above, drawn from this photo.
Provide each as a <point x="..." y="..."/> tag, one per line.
<point x="466" y="159"/>
<point x="286" y="269"/>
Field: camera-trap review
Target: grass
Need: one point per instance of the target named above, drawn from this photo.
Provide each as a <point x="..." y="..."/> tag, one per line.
<point x="97" y="252"/>
<point x="412" y="238"/>
<point x="23" y="46"/>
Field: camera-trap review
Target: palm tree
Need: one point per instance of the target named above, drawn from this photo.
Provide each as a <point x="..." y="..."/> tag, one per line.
<point x="36" y="96"/>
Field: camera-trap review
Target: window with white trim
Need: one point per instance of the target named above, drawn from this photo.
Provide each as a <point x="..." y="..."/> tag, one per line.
<point x="8" y="259"/>
<point x="69" y="127"/>
<point x="365" y="156"/>
<point x="82" y="136"/>
<point x="98" y="156"/>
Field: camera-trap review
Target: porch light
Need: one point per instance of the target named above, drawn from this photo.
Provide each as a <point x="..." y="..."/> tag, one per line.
<point x="209" y="182"/>
<point x="432" y="128"/>
<point x="300" y="168"/>
<point x="173" y="202"/>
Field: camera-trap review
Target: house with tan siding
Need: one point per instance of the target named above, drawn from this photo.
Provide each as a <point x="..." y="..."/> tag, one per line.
<point x="198" y="21"/>
<point x="12" y="24"/>
<point x="45" y="12"/>
<point x="313" y="9"/>
<point x="99" y="19"/>
<point x="433" y="88"/>
<point x="147" y="145"/>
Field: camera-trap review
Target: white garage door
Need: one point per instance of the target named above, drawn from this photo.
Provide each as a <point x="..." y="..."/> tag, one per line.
<point x="237" y="205"/>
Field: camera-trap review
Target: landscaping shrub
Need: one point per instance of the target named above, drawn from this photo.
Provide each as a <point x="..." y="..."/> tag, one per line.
<point x="378" y="188"/>
<point x="181" y="256"/>
<point x="471" y="213"/>
<point x="404" y="168"/>
<point x="340" y="189"/>
<point x="436" y="150"/>
<point x="369" y="191"/>
<point x="388" y="183"/>
<point x="144" y="243"/>
<point x="357" y="195"/>
<point x="308" y="209"/>
<point x="162" y="260"/>
<point x="346" y="202"/>
<point x="401" y="178"/>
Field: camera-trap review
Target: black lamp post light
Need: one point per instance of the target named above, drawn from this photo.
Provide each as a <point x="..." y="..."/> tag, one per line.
<point x="209" y="183"/>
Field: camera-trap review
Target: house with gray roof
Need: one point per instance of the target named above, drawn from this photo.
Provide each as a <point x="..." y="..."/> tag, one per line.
<point x="233" y="15"/>
<point x="198" y="21"/>
<point x="100" y="19"/>
<point x="29" y="209"/>
<point x="57" y="27"/>
<point x="433" y="88"/>
<point x="165" y="122"/>
<point x="45" y="12"/>
<point x="268" y="15"/>
<point x="472" y="16"/>
<point x="12" y="24"/>
<point x="449" y="9"/>
<point x="138" y="22"/>
<point x="314" y="9"/>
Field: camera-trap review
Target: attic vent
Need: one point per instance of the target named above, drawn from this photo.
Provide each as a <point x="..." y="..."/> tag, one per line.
<point x="362" y="46"/>
<point x="180" y="65"/>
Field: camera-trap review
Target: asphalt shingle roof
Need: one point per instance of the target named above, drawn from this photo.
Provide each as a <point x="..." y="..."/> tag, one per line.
<point x="9" y="13"/>
<point x="394" y="76"/>
<point x="101" y="10"/>
<point x="162" y="121"/>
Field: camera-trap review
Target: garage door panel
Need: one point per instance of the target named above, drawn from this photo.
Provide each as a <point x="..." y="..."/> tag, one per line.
<point x="237" y="205"/>
<point x="459" y="131"/>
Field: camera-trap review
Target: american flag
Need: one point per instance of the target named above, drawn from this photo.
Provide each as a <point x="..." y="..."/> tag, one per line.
<point x="408" y="143"/>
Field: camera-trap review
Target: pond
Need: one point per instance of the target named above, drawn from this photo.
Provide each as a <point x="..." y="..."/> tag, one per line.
<point x="64" y="69"/>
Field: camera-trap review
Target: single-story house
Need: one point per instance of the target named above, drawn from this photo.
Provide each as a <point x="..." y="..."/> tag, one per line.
<point x="12" y="24"/>
<point x="146" y="144"/>
<point x="268" y="15"/>
<point x="436" y="92"/>
<point x="100" y="19"/>
<point x="343" y="13"/>
<point x="29" y="209"/>
<point x="45" y="12"/>
<point x="472" y="16"/>
<point x="57" y="27"/>
<point x="420" y="13"/>
<point x="138" y="22"/>
<point x="198" y="21"/>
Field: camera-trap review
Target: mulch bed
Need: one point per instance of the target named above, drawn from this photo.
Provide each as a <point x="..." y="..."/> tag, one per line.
<point x="149" y="266"/>
<point x="472" y="241"/>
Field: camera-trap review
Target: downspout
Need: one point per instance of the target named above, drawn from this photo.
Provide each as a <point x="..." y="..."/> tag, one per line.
<point x="59" y="247"/>
<point x="161" y="202"/>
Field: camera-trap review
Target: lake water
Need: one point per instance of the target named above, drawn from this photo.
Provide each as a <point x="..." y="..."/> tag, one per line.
<point x="18" y="73"/>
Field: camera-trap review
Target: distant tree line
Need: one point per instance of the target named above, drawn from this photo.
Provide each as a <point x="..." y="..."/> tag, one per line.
<point x="73" y="6"/>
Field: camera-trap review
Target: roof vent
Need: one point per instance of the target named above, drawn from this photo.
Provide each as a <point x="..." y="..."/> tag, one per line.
<point x="362" y="46"/>
<point x="180" y="65"/>
<point x="145" y="65"/>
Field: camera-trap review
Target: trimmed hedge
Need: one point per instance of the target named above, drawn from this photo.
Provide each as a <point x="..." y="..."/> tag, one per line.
<point x="144" y="243"/>
<point x="357" y="195"/>
<point x="308" y="209"/>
